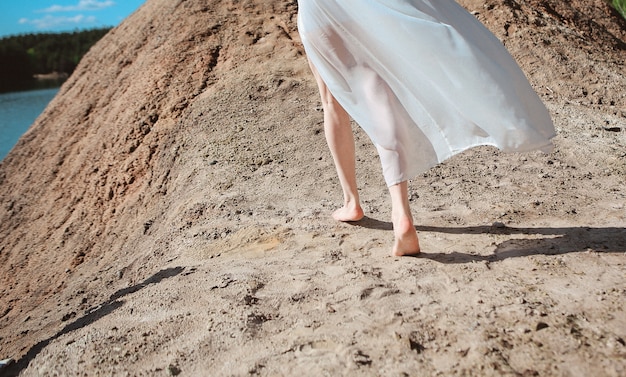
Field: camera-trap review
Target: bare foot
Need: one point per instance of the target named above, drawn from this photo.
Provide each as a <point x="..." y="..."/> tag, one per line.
<point x="348" y="214"/>
<point x="406" y="242"/>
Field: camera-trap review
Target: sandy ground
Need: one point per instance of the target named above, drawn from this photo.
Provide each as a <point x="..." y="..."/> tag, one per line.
<point x="187" y="231"/>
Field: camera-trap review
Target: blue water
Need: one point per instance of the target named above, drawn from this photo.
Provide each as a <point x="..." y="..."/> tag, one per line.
<point x="18" y="111"/>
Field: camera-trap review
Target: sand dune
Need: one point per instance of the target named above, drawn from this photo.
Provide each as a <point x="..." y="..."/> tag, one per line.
<point x="169" y="214"/>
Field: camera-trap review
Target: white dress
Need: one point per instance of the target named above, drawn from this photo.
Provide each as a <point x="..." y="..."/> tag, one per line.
<point x="423" y="78"/>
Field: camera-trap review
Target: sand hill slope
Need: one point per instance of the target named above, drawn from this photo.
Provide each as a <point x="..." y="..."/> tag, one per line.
<point x="168" y="214"/>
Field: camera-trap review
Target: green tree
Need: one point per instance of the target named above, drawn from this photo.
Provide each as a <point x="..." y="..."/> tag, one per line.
<point x="23" y="56"/>
<point x="620" y="5"/>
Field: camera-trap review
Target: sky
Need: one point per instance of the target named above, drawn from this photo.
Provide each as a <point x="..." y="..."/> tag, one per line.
<point x="38" y="16"/>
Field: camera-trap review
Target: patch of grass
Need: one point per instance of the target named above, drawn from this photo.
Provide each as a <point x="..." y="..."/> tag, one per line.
<point x="620" y="5"/>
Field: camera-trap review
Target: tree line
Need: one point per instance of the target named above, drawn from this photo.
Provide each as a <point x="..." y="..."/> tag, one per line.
<point x="23" y="56"/>
<point x="620" y="5"/>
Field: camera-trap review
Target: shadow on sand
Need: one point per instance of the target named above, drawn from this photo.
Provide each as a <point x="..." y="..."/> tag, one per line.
<point x="557" y="241"/>
<point x="96" y="313"/>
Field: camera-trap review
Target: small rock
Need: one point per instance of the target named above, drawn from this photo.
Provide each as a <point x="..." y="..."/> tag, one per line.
<point x="5" y="363"/>
<point x="173" y="370"/>
<point x="541" y="326"/>
<point x="360" y="358"/>
<point x="415" y="342"/>
<point x="68" y="316"/>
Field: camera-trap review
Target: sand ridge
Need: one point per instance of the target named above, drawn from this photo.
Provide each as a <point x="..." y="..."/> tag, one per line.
<point x="169" y="214"/>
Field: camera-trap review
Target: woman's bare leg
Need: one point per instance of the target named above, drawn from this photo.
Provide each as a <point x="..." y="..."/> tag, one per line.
<point x="406" y="241"/>
<point x="340" y="140"/>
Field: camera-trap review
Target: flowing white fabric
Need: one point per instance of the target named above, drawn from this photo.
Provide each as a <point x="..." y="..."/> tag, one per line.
<point x="424" y="79"/>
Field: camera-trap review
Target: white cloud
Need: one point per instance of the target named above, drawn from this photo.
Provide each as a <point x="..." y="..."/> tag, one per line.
<point x="83" y="5"/>
<point x="49" y="22"/>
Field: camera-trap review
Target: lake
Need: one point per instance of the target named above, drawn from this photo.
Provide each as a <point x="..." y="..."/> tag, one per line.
<point x="18" y="111"/>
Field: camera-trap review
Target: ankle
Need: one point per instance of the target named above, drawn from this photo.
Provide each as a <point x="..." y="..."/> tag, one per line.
<point x="402" y="223"/>
<point x="352" y="203"/>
